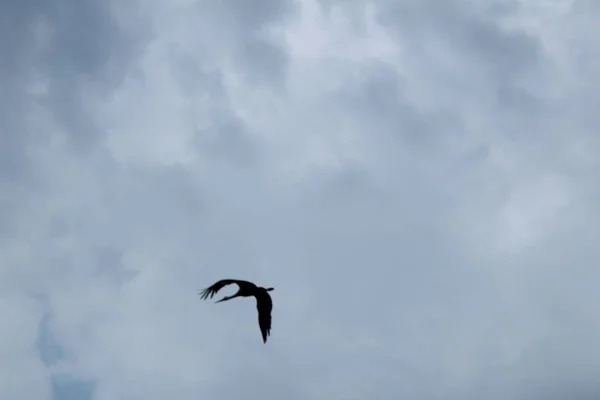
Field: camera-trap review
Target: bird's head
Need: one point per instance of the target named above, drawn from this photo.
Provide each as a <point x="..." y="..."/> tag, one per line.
<point x="269" y="289"/>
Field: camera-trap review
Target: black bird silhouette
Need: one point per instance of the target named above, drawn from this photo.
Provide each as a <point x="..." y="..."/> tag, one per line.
<point x="264" y="305"/>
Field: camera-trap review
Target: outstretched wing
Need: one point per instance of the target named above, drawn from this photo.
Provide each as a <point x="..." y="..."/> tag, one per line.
<point x="264" y="305"/>
<point x="210" y="291"/>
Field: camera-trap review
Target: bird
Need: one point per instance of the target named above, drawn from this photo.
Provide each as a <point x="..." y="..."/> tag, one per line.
<point x="264" y="304"/>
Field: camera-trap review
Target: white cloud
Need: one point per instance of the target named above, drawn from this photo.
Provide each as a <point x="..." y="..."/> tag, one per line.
<point x="417" y="180"/>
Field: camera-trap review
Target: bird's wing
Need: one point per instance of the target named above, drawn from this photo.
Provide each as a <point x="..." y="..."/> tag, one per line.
<point x="210" y="291"/>
<point x="264" y="305"/>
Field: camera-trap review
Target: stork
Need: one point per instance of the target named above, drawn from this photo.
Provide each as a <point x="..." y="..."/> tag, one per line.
<point x="264" y="305"/>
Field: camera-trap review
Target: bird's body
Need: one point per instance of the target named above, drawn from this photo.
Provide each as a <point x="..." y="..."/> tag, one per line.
<point x="264" y="304"/>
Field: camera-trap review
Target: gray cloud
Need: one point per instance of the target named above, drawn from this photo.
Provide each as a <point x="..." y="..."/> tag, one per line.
<point x="415" y="179"/>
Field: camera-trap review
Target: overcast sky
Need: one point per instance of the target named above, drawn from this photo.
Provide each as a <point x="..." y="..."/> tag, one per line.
<point x="417" y="179"/>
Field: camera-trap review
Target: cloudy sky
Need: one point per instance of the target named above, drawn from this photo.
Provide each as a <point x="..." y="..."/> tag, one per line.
<point x="418" y="179"/>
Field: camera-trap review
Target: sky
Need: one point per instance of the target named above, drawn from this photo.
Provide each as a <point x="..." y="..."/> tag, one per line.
<point x="417" y="179"/>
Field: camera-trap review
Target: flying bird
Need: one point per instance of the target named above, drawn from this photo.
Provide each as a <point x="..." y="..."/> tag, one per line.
<point x="264" y="305"/>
